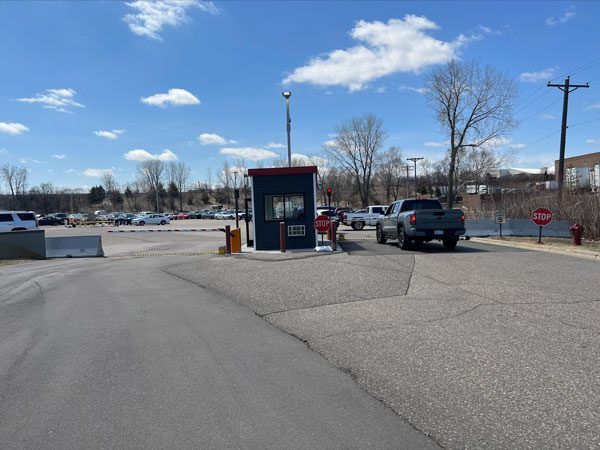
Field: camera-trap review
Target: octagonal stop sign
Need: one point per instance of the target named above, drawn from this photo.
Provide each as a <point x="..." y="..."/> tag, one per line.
<point x="541" y="217"/>
<point x="322" y="223"/>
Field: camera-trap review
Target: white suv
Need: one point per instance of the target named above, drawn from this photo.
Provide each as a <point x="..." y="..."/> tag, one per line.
<point x="17" y="221"/>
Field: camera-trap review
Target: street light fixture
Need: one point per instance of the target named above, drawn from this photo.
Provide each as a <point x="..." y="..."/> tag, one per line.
<point x="287" y="95"/>
<point x="414" y="160"/>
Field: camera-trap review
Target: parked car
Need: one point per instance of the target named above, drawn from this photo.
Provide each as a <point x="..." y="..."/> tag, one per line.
<point x="183" y="215"/>
<point x="329" y="213"/>
<point x="195" y="214"/>
<point x="125" y="218"/>
<point x="208" y="215"/>
<point x="49" y="221"/>
<point x="358" y="220"/>
<point x="151" y="219"/>
<point x="228" y="214"/>
<point x="17" y="221"/>
<point x="420" y="220"/>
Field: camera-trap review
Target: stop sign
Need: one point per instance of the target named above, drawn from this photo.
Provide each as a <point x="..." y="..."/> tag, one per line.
<point x="541" y="217"/>
<point x="322" y="223"/>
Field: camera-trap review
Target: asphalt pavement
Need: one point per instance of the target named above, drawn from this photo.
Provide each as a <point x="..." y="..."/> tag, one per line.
<point x="484" y="346"/>
<point x="117" y="353"/>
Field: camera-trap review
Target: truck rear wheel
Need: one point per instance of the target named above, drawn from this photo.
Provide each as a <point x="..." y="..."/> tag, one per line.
<point x="358" y="226"/>
<point x="403" y="240"/>
<point x="381" y="239"/>
<point x="450" y="243"/>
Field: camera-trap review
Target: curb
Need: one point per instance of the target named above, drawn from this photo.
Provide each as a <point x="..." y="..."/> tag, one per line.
<point x="586" y="254"/>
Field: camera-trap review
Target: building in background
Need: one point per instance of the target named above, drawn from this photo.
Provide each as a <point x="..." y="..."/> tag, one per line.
<point x="582" y="172"/>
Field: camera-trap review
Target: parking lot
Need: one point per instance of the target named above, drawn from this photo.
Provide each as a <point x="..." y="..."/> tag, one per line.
<point x="483" y="346"/>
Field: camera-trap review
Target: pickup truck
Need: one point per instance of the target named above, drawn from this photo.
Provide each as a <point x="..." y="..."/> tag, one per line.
<point x="358" y="220"/>
<point x="414" y="221"/>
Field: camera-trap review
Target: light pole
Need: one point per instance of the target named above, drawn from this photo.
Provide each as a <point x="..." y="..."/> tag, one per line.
<point x="287" y="95"/>
<point x="414" y="160"/>
<point x="236" y="196"/>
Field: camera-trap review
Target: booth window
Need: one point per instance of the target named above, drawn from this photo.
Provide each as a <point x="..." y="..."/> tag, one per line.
<point x="284" y="207"/>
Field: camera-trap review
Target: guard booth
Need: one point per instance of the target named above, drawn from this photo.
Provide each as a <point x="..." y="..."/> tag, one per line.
<point x="284" y="194"/>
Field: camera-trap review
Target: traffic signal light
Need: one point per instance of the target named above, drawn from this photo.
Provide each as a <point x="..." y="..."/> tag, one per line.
<point x="329" y="191"/>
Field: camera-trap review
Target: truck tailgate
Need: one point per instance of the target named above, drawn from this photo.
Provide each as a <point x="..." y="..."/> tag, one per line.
<point x="438" y="220"/>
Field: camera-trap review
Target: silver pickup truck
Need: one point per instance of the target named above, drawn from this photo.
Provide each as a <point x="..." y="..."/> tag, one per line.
<point x="414" y="221"/>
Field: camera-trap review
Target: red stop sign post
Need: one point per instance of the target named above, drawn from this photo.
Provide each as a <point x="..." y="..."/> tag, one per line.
<point x="322" y="224"/>
<point x="541" y="217"/>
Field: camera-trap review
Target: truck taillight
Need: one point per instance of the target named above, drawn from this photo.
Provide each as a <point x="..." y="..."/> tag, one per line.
<point x="462" y="218"/>
<point x="413" y="219"/>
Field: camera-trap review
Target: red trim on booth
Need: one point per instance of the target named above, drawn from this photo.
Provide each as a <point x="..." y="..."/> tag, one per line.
<point x="282" y="171"/>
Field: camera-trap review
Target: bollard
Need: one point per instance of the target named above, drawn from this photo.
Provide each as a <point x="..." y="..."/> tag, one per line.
<point x="577" y="233"/>
<point x="333" y="230"/>
<point x="228" y="239"/>
<point x="282" y="236"/>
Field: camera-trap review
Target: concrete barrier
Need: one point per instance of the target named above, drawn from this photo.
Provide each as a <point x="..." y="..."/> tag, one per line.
<point x="525" y="227"/>
<point x="484" y="228"/>
<point x="23" y="245"/>
<point x="74" y="247"/>
<point x="516" y="227"/>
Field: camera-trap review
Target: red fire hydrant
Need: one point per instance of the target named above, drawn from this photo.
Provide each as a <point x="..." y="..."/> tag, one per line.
<point x="577" y="232"/>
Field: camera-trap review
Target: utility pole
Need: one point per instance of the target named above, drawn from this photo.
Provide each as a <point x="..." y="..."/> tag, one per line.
<point x="288" y="122"/>
<point x="567" y="88"/>
<point x="414" y="160"/>
<point x="407" y="167"/>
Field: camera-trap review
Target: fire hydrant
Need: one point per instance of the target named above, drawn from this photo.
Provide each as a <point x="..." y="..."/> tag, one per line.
<point x="577" y="232"/>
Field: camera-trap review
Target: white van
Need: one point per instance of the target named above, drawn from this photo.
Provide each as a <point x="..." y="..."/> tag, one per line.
<point x="17" y="221"/>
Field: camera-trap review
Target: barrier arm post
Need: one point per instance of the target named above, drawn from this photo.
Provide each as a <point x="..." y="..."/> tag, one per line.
<point x="333" y="236"/>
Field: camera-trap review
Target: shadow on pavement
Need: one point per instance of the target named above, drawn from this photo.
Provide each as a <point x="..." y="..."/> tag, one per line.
<point x="354" y="247"/>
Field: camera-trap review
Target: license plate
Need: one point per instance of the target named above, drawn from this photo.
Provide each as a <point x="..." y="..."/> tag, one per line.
<point x="438" y="232"/>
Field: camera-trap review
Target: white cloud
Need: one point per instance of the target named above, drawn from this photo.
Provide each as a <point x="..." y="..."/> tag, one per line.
<point x="488" y="30"/>
<point x="568" y="15"/>
<point x="56" y="99"/>
<point x="152" y="16"/>
<point x="329" y="143"/>
<point x="400" y="45"/>
<point x="594" y="106"/>
<point x="436" y="144"/>
<point x="175" y="97"/>
<point x="213" y="139"/>
<point x="3" y="150"/>
<point x="540" y="75"/>
<point x="12" y="128"/>
<point x="30" y="160"/>
<point x="547" y="116"/>
<point x="517" y="146"/>
<point x="109" y="134"/>
<point x="96" y="173"/>
<point x="70" y="171"/>
<point x="305" y="159"/>
<point x="592" y="141"/>
<point x="275" y="145"/>
<point x="381" y="90"/>
<point x="251" y="153"/>
<point x="61" y="156"/>
<point x="143" y="155"/>
<point x="418" y="90"/>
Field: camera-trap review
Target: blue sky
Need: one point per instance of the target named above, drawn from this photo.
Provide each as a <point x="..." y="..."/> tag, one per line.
<point x="93" y="86"/>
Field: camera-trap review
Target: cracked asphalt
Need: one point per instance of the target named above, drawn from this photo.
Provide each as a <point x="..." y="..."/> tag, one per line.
<point x="482" y="347"/>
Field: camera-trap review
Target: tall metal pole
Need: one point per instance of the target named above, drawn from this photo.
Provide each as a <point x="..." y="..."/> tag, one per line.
<point x="414" y="160"/>
<point x="287" y="96"/>
<point x="236" y="196"/>
<point x="407" y="167"/>
<point x="567" y="88"/>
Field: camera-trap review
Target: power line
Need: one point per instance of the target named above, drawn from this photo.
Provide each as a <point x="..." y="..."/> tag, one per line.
<point x="540" y="140"/>
<point x="541" y="110"/>
<point x="584" y="123"/>
<point x="532" y="102"/>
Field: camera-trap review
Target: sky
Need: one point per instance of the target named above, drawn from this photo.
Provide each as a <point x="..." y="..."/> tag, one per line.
<point x="89" y="87"/>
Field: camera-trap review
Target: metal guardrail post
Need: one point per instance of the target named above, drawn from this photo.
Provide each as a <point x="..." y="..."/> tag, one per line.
<point x="282" y="236"/>
<point x="228" y="239"/>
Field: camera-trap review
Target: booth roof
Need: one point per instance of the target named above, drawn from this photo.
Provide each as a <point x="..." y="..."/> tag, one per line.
<point x="282" y="171"/>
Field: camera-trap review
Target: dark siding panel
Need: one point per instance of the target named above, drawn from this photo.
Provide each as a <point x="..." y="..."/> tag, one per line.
<point x="267" y="233"/>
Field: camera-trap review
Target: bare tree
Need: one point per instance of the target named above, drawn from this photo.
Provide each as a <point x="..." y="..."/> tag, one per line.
<point x="473" y="104"/>
<point x="150" y="174"/>
<point x="390" y="173"/>
<point x="15" y="179"/>
<point x="178" y="174"/>
<point x="225" y="180"/>
<point x="356" y="147"/>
